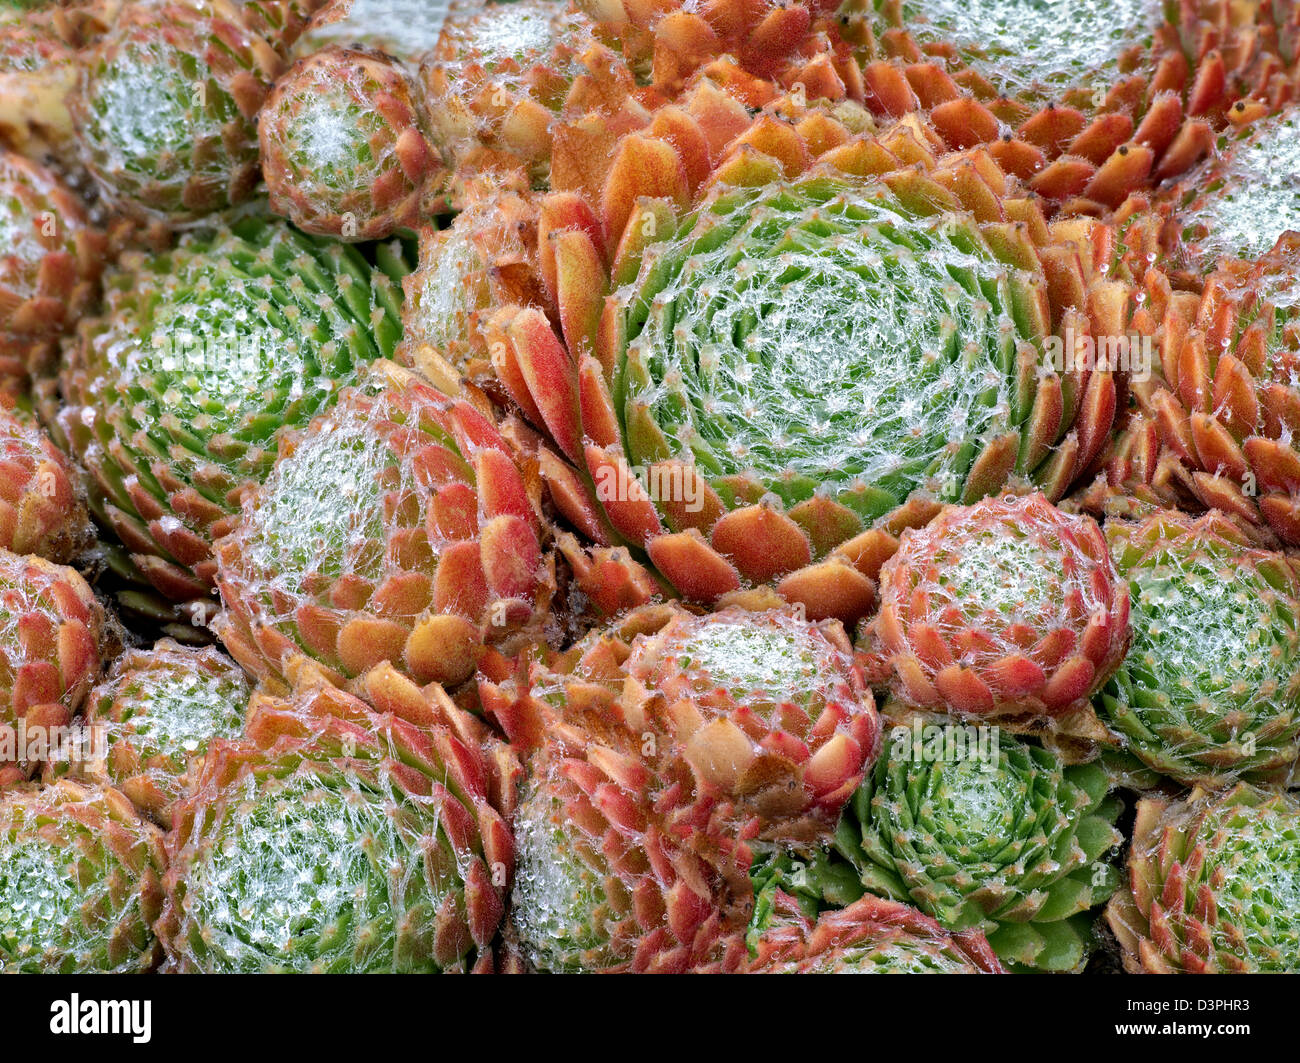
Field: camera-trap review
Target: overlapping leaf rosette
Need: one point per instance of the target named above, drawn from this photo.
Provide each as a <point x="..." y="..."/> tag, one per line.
<point x="39" y="44"/>
<point x="1007" y="610"/>
<point x="175" y="397"/>
<point x="984" y="832"/>
<point x="166" y="105"/>
<point x="716" y="409"/>
<point x="1232" y="208"/>
<point x="1212" y="885"/>
<point x="398" y="527"/>
<point x="661" y="747"/>
<point x="486" y="258"/>
<point x="345" y="832"/>
<point x="344" y="147"/>
<point x="1085" y="101"/>
<point x="501" y="73"/>
<point x="872" y="935"/>
<point x="150" y="722"/>
<point x="51" y="256"/>
<point x="1216" y="422"/>
<point x="1217" y="257"/>
<point x="50" y="262"/>
<point x="80" y="882"/>
<point x="52" y="634"/>
<point x="42" y="503"/>
<point x="1210" y="689"/>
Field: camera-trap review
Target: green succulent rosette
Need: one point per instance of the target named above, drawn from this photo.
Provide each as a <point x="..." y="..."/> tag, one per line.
<point x="175" y="399"/>
<point x="810" y="350"/>
<point x="166" y="106"/>
<point x="80" y="882"/>
<point x="996" y="835"/>
<point x="156" y="714"/>
<point x="1213" y="885"/>
<point x="1210" y="689"/>
<point x="739" y="355"/>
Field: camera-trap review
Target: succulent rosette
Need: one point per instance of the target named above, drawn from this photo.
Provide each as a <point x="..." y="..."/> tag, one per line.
<point x="870" y="936"/>
<point x="344" y="833"/>
<point x="761" y="718"/>
<point x="486" y="258"/>
<point x="52" y="629"/>
<point x="80" y="882"/>
<point x="660" y="748"/>
<point x="753" y="40"/>
<point x="986" y="833"/>
<point x="344" y="151"/>
<point x="1218" y="420"/>
<point x="42" y="504"/>
<point x="1006" y="609"/>
<point x="768" y="710"/>
<point x="601" y="885"/>
<point x="154" y="716"/>
<point x="51" y="257"/>
<point x="1086" y="101"/>
<point x="501" y="73"/>
<point x="1212" y="881"/>
<point x="603" y="882"/>
<point x="1237" y="205"/>
<point x="397" y="527"/>
<point x="166" y="107"/>
<point x="709" y="414"/>
<point x="175" y="396"/>
<point x="1210" y="689"/>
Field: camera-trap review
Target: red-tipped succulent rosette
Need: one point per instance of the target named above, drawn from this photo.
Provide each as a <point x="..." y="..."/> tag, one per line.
<point x="754" y="40"/>
<point x="1006" y="610"/>
<point x="51" y="258"/>
<point x="344" y="146"/>
<point x="1216" y="422"/>
<point x="52" y="634"/>
<point x="1209" y="884"/>
<point x="42" y="503"/>
<point x="501" y="74"/>
<point x="1085" y="101"/>
<point x="1236" y="207"/>
<point x="761" y="721"/>
<point x="486" y="258"/>
<point x="663" y="746"/>
<point x="37" y="71"/>
<point x="871" y="936"/>
<point x="397" y="527"/>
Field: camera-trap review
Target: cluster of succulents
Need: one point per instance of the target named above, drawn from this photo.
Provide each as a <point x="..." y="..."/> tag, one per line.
<point x="620" y="486"/>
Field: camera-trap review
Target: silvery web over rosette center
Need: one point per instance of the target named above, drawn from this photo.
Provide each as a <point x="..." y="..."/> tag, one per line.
<point x="822" y="339"/>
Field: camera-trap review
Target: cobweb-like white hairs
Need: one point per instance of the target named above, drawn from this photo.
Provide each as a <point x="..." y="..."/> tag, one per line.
<point x="820" y="337"/>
